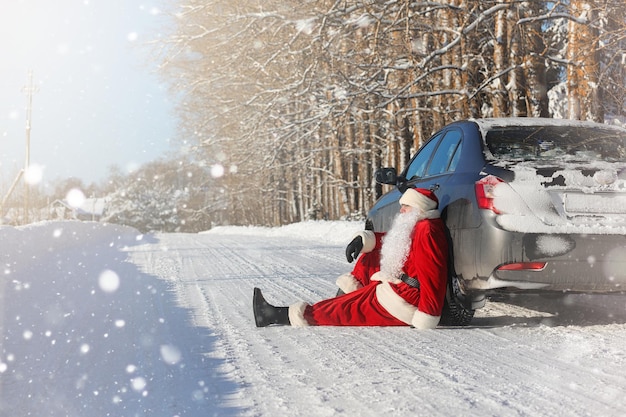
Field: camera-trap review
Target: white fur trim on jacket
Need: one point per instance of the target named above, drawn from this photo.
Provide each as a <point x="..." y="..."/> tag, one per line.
<point x="348" y="283"/>
<point x="431" y="214"/>
<point x="394" y="304"/>
<point x="403" y="311"/>
<point x="296" y="314"/>
<point x="369" y="240"/>
<point x="424" y="321"/>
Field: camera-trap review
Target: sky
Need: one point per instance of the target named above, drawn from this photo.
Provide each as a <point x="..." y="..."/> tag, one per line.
<point x="98" y="101"/>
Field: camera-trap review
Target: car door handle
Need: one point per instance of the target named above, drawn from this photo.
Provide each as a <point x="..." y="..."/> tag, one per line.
<point x="434" y="187"/>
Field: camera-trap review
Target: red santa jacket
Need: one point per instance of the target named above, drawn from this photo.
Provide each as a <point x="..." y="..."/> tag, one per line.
<point x="427" y="261"/>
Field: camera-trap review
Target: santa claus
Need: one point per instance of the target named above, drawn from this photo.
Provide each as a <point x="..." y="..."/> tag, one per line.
<point x="399" y="279"/>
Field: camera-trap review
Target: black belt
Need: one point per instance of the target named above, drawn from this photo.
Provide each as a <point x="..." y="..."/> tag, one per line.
<point x="413" y="282"/>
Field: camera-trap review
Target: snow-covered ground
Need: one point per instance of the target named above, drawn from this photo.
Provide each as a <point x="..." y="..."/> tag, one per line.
<point x="96" y="320"/>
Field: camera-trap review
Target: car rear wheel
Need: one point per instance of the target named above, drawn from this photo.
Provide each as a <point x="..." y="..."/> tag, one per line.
<point x="455" y="310"/>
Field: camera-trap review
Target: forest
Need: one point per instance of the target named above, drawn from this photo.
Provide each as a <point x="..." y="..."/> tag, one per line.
<point x="286" y="108"/>
<point x="300" y="101"/>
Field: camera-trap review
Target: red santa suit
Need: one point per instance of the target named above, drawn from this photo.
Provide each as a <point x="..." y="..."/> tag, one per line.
<point x="379" y="296"/>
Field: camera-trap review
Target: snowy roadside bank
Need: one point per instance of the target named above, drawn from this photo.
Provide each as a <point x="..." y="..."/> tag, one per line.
<point x="336" y="232"/>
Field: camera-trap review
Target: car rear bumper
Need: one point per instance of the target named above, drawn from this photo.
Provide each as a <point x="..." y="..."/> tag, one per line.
<point x="571" y="262"/>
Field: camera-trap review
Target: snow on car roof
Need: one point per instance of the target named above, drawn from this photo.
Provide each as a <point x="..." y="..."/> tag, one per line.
<point x="488" y="124"/>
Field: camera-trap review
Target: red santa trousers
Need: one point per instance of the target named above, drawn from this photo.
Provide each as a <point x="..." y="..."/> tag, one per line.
<point x="358" y="308"/>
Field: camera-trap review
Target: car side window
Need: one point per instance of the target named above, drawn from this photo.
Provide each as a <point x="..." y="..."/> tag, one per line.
<point x="443" y="160"/>
<point x="455" y="158"/>
<point x="418" y="165"/>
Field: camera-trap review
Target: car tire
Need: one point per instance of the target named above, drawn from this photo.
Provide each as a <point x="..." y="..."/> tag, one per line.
<point x="455" y="312"/>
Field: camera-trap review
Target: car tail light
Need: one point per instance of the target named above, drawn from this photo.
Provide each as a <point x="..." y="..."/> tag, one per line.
<point x="484" y="192"/>
<point x="523" y="266"/>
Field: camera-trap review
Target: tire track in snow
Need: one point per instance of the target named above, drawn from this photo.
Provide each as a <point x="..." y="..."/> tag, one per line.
<point x="497" y="368"/>
<point x="205" y="284"/>
<point x="260" y="354"/>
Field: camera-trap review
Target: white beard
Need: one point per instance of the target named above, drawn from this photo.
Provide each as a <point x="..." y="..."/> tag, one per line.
<point x="397" y="243"/>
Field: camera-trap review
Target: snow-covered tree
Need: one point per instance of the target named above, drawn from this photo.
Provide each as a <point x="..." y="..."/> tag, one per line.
<point x="164" y="196"/>
<point x="300" y="101"/>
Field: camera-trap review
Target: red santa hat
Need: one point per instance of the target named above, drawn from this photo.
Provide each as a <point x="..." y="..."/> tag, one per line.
<point x="420" y="198"/>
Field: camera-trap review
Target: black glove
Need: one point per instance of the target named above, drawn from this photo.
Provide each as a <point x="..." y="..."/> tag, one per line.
<point x="354" y="248"/>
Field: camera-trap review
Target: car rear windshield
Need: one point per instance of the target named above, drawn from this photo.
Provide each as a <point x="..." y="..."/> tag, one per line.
<point x="557" y="143"/>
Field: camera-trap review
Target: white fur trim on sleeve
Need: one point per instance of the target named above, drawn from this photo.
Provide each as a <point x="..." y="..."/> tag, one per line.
<point x="348" y="283"/>
<point x="382" y="276"/>
<point x="296" y="314"/>
<point x="424" y="321"/>
<point x="369" y="240"/>
<point x="378" y="276"/>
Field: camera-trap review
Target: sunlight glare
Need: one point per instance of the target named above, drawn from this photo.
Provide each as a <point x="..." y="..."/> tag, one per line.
<point x="75" y="198"/>
<point x="217" y="171"/>
<point x="34" y="174"/>
<point x="109" y="281"/>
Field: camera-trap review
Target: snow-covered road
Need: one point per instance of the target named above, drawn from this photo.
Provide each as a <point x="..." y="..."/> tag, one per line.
<point x="176" y="337"/>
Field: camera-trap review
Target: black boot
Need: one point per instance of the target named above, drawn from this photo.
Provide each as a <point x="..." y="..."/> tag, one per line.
<point x="265" y="313"/>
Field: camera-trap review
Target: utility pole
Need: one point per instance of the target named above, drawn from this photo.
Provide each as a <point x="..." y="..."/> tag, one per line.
<point x="29" y="90"/>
